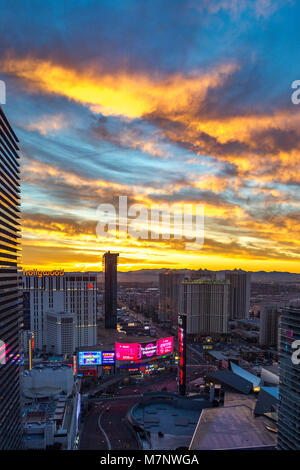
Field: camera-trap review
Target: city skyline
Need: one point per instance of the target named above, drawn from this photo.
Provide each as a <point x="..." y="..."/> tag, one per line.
<point x="185" y="103"/>
<point x="149" y="229"/>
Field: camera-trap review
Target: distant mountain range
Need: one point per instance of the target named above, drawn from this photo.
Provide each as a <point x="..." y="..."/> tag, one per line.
<point x="151" y="275"/>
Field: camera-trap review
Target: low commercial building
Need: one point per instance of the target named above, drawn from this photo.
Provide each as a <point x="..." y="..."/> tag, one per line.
<point x="47" y="381"/>
<point x="51" y="408"/>
<point x="49" y="423"/>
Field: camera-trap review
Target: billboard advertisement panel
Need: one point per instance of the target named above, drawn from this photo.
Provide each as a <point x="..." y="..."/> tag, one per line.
<point x="126" y="351"/>
<point x="90" y="358"/>
<point x="96" y="358"/>
<point x="165" y="346"/>
<point x="108" y="357"/>
<point x="139" y="351"/>
<point x="182" y="353"/>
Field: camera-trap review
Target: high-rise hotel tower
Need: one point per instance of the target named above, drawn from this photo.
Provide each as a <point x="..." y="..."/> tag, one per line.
<point x="289" y="387"/>
<point x="110" y="268"/>
<point x="239" y="293"/>
<point x="10" y="293"/>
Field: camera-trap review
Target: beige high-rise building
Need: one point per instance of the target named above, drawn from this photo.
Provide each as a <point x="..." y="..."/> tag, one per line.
<point x="169" y="295"/>
<point x="205" y="302"/>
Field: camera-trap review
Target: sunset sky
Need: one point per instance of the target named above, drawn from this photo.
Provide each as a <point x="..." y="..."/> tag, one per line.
<point x="162" y="101"/>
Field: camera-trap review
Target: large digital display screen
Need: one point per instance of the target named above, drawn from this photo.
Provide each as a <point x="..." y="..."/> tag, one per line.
<point x="96" y="358"/>
<point x="165" y="346"/>
<point x="126" y="351"/>
<point x="108" y="357"/>
<point x="182" y="353"/>
<point x="139" y="351"/>
<point x="90" y="358"/>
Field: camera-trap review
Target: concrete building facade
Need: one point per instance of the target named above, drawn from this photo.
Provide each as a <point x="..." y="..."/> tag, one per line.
<point x="206" y="304"/>
<point x="66" y="292"/>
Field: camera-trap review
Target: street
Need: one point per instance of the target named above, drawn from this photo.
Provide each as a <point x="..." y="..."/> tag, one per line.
<point x="105" y="426"/>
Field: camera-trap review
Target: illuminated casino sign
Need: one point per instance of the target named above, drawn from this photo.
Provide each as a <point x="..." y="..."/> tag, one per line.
<point x="126" y="351"/>
<point x="96" y="358"/>
<point x="35" y="272"/>
<point x="182" y="353"/>
<point x="74" y="365"/>
<point x="90" y="358"/>
<point x="139" y="351"/>
<point x="108" y="357"/>
<point x="165" y="346"/>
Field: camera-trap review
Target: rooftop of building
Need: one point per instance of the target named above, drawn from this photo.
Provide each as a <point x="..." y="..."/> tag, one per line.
<point x="114" y="336"/>
<point x="225" y="355"/>
<point x="175" y="418"/>
<point x="245" y="374"/>
<point x="231" y="380"/>
<point x="274" y="391"/>
<point x="245" y="333"/>
<point x="39" y="412"/>
<point x="243" y="429"/>
<point x="274" y="369"/>
<point x="44" y="381"/>
<point x="37" y="369"/>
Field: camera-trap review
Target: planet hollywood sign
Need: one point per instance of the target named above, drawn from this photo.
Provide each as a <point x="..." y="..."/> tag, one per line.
<point x="35" y="272"/>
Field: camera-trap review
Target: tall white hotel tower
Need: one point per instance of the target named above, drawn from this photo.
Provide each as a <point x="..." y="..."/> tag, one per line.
<point x="62" y="292"/>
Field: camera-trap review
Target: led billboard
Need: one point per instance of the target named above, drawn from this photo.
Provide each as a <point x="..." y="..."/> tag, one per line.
<point x="90" y="358"/>
<point x="96" y="358"/>
<point x="139" y="351"/>
<point x="108" y="357"/>
<point x="126" y="351"/>
<point x="165" y="346"/>
<point x="182" y="353"/>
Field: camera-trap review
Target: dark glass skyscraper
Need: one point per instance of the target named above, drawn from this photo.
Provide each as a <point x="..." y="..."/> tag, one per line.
<point x="10" y="288"/>
<point x="289" y="388"/>
<point x="110" y="264"/>
<point x="239" y="294"/>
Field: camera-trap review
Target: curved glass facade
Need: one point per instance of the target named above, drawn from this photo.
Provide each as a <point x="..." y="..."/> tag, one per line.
<point x="10" y="288"/>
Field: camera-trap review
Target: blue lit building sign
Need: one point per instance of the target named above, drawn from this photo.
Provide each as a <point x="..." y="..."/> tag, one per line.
<point x="108" y="357"/>
<point x="96" y="358"/>
<point x="90" y="358"/>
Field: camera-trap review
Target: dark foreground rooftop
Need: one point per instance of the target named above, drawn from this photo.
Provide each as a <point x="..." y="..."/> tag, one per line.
<point x="234" y="381"/>
<point x="232" y="427"/>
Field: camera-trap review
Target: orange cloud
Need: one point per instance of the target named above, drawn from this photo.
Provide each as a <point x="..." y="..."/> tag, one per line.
<point x="121" y="93"/>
